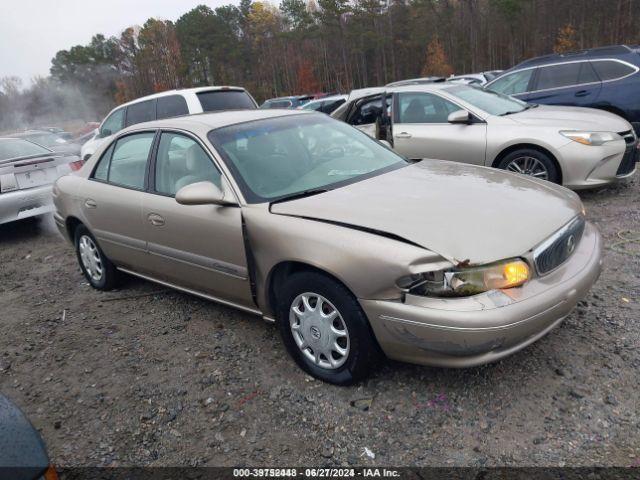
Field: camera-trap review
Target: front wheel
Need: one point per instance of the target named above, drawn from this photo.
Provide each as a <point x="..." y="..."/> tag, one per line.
<point x="95" y="266"/>
<point x="324" y="329"/>
<point x="531" y="162"/>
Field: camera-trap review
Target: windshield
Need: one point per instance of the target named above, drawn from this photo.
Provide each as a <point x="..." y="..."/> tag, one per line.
<point x="216" y="100"/>
<point x="275" y="158"/>
<point x="491" y="102"/>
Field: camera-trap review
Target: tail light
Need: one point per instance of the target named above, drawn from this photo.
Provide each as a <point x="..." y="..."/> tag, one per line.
<point x="77" y="165"/>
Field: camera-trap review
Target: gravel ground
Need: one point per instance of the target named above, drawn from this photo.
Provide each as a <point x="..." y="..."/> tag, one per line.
<point x="146" y="376"/>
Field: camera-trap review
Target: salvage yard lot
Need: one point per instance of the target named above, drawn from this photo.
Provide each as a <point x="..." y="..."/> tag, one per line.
<point x="148" y="376"/>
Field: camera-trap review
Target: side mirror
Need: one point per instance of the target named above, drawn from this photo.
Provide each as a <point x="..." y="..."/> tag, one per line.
<point x="204" y="193"/>
<point x="459" y="116"/>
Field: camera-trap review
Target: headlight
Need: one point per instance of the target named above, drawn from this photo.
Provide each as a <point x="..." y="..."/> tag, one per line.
<point x="467" y="281"/>
<point x="591" y="138"/>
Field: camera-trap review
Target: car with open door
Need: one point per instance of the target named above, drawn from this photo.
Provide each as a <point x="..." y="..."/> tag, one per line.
<point x="575" y="147"/>
<point x="352" y="250"/>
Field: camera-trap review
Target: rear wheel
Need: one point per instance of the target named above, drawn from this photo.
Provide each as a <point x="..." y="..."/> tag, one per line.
<point x="531" y="162"/>
<point x="324" y="329"/>
<point x="95" y="266"/>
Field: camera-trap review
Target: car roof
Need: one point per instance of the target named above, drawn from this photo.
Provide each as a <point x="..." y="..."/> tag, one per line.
<point x="599" y="52"/>
<point x="166" y="93"/>
<point x="418" y="87"/>
<point x="202" y="123"/>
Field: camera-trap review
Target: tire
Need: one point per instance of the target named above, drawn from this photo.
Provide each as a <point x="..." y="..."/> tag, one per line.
<point x="363" y="353"/>
<point x="536" y="158"/>
<point x="108" y="277"/>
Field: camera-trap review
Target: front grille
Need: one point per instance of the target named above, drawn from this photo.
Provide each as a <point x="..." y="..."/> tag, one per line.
<point x="559" y="247"/>
<point x="628" y="136"/>
<point x="630" y="157"/>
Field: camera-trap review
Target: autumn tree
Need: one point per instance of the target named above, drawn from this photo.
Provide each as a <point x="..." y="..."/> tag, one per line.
<point x="566" y="39"/>
<point x="307" y="81"/>
<point x="436" y="61"/>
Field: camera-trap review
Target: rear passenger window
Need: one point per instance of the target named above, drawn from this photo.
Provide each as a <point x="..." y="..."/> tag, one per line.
<point x="172" y="106"/>
<point x="181" y="161"/>
<point x="129" y="160"/>
<point x="611" y="70"/>
<point x="141" y="112"/>
<point x="557" y="76"/>
<point x="102" y="170"/>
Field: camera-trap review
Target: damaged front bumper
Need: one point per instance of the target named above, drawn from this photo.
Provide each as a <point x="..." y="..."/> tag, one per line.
<point x="463" y="332"/>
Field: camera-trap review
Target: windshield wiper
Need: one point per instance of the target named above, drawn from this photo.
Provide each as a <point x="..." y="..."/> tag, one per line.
<point x="511" y="112"/>
<point x="302" y="194"/>
<point x="526" y="107"/>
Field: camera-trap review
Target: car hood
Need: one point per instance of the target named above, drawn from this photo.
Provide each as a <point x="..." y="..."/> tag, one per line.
<point x="574" y="118"/>
<point x="461" y="212"/>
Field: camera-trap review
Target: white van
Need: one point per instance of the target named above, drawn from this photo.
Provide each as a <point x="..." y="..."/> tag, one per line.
<point x="172" y="103"/>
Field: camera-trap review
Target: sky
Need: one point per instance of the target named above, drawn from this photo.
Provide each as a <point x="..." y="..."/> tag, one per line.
<point x="32" y="31"/>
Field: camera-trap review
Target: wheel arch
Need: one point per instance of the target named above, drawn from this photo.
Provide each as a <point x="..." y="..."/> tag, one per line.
<point x="613" y="109"/>
<point x="283" y="269"/>
<point x="72" y="223"/>
<point x="528" y="146"/>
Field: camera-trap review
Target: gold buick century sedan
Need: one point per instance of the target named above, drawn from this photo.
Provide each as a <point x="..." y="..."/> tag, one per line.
<point x="354" y="252"/>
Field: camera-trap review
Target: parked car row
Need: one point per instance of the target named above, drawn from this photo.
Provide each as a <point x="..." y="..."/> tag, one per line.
<point x="340" y="235"/>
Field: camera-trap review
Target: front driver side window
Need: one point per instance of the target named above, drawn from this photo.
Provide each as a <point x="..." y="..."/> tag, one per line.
<point x="513" y="83"/>
<point x="424" y="108"/>
<point x="181" y="161"/>
<point x="113" y="124"/>
<point x="368" y="112"/>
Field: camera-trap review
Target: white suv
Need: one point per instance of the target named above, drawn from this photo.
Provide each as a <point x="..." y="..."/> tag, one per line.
<point x="172" y="103"/>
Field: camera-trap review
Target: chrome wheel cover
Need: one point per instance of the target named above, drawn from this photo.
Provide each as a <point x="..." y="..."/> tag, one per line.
<point x="319" y="330"/>
<point x="528" y="166"/>
<point x="91" y="259"/>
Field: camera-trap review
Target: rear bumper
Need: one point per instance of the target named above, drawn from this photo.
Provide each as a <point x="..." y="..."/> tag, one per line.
<point x="25" y="203"/>
<point x="484" y="328"/>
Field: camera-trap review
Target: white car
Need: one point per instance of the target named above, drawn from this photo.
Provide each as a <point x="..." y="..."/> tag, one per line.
<point x="325" y="104"/>
<point x="477" y="79"/>
<point x="575" y="147"/>
<point x="172" y="103"/>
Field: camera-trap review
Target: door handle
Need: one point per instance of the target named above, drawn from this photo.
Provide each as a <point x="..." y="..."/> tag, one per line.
<point x="582" y="93"/>
<point x="403" y="135"/>
<point x="155" y="219"/>
<point x="89" y="203"/>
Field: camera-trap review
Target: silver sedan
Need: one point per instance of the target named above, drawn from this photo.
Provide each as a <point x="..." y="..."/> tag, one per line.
<point x="572" y="146"/>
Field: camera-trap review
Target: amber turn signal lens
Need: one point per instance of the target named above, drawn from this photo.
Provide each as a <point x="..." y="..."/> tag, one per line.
<point x="50" y="474"/>
<point x="515" y="273"/>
